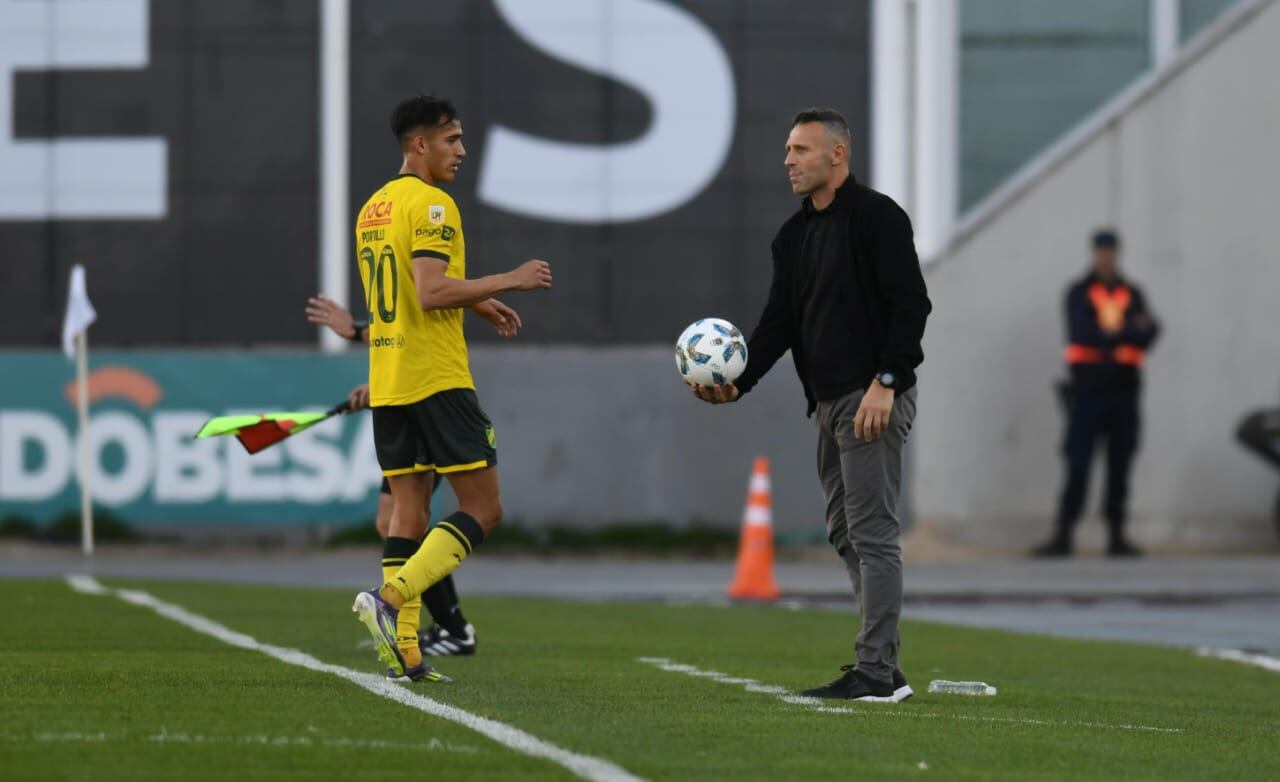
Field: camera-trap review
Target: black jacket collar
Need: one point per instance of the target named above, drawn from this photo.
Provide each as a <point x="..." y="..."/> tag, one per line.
<point x="843" y="200"/>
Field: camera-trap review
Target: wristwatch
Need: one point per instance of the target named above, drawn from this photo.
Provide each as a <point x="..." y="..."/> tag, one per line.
<point x="360" y="325"/>
<point x="886" y="379"/>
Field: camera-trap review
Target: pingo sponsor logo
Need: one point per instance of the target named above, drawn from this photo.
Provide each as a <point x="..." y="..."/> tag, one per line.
<point x="140" y="453"/>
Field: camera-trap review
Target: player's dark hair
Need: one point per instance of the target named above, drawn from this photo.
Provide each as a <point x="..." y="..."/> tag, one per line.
<point x="421" y="111"/>
<point x="830" y="119"/>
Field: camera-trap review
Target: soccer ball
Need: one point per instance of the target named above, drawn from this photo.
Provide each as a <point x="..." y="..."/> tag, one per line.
<point x="711" y="352"/>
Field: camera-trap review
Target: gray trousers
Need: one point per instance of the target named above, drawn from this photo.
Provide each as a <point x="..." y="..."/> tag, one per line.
<point x="862" y="482"/>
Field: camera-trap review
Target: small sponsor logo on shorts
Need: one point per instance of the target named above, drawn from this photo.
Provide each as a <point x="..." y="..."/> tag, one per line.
<point x="491" y="436"/>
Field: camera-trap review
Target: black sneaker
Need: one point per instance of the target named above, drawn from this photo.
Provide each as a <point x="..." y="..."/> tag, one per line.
<point x="436" y="641"/>
<point x="901" y="690"/>
<point x="853" y="686"/>
<point x="1121" y="548"/>
<point x="1057" y="548"/>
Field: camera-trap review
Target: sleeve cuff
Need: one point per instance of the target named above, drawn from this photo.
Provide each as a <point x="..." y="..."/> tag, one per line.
<point x="745" y="382"/>
<point x="436" y="254"/>
<point x="903" y="377"/>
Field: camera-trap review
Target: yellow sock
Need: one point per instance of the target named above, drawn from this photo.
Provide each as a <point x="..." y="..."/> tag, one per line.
<point x="395" y="553"/>
<point x="448" y="543"/>
<point x="410" y="618"/>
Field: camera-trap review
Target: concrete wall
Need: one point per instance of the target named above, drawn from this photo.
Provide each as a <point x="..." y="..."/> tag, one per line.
<point x="592" y="435"/>
<point x="1191" y="178"/>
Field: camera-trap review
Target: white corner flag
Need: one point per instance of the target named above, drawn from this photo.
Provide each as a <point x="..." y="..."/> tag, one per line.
<point x="80" y="312"/>
<point x="75" y="343"/>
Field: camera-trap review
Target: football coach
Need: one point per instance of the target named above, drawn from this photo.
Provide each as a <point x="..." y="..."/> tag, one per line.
<point x="848" y="299"/>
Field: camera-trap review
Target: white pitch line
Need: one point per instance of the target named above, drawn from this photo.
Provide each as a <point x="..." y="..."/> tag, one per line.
<point x="87" y="585"/>
<point x="584" y="766"/>
<point x="1236" y="656"/>
<point x="827" y="707"/>
<point x="751" y="685"/>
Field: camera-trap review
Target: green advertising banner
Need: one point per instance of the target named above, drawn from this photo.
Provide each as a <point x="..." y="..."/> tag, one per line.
<point x="147" y="468"/>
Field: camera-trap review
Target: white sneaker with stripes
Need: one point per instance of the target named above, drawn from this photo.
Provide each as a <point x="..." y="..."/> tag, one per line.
<point x="436" y="641"/>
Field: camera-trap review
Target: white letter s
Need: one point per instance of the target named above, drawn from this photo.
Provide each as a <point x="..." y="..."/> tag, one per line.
<point x="666" y="54"/>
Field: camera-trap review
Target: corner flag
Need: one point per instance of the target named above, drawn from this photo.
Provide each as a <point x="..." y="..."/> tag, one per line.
<point x="80" y="312"/>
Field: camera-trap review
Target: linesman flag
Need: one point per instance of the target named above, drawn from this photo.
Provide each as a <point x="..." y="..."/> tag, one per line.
<point x="258" y="432"/>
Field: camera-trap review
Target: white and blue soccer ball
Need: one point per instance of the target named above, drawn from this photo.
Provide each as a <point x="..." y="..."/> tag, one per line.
<point x="711" y="352"/>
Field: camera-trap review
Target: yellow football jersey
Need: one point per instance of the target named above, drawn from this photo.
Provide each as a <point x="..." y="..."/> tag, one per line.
<point x="412" y="354"/>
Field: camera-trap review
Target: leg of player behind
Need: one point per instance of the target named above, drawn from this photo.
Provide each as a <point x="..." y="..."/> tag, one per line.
<point x="427" y="418"/>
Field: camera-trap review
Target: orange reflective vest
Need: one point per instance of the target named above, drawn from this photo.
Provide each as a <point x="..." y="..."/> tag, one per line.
<point x="1109" y="305"/>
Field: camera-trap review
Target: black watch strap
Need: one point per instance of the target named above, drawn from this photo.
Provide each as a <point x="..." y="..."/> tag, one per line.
<point x="360" y="325"/>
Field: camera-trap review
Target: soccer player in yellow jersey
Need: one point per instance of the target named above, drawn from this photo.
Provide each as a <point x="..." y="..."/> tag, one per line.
<point x="426" y="416"/>
<point x="449" y="633"/>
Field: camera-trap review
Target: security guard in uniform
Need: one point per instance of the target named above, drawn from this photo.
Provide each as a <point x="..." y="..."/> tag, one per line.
<point x="1109" y="331"/>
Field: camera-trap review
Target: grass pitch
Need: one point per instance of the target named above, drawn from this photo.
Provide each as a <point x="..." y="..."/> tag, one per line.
<point x="96" y="688"/>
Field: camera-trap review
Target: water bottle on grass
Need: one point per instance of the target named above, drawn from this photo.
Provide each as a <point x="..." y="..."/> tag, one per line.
<point x="961" y="688"/>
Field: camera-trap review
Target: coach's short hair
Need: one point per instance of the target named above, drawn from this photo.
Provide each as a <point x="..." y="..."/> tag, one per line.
<point x="421" y="111"/>
<point x="832" y="120"/>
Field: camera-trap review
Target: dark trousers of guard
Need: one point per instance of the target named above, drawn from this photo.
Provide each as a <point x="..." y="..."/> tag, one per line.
<point x="1099" y="418"/>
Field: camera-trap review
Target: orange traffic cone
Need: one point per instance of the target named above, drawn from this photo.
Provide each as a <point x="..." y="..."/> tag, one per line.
<point x="753" y="577"/>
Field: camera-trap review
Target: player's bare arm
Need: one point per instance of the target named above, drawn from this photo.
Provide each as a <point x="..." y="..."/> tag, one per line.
<point x="358" y="399"/>
<point x="324" y="311"/>
<point x="504" y="319"/>
<point x="436" y="291"/>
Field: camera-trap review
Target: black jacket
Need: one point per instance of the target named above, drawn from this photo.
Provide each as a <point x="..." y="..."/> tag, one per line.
<point x="846" y="288"/>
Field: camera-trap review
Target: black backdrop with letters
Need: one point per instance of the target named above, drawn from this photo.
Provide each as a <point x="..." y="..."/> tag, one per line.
<point x="233" y="87"/>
